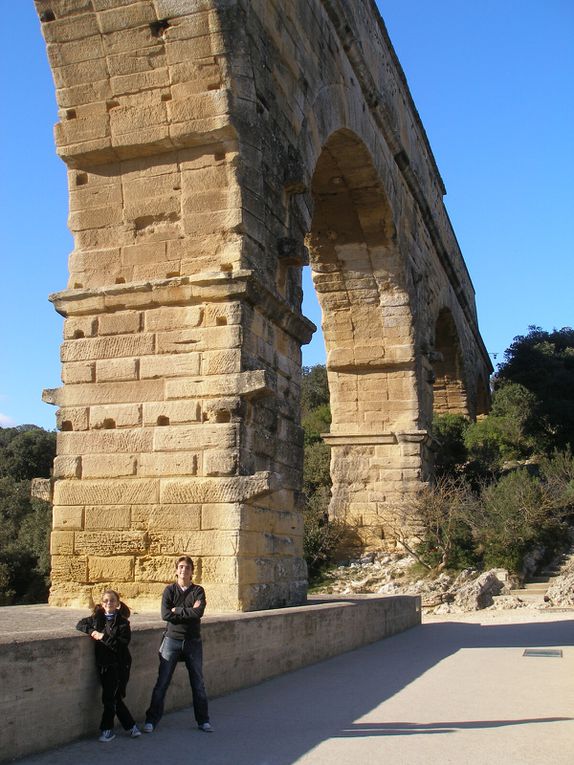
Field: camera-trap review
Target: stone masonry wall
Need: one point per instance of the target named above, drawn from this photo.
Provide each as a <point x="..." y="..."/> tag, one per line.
<point x="214" y="147"/>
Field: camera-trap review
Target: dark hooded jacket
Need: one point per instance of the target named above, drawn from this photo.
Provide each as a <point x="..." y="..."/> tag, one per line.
<point x="112" y="650"/>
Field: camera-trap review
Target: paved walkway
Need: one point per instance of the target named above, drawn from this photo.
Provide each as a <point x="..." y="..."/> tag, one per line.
<point x="454" y="691"/>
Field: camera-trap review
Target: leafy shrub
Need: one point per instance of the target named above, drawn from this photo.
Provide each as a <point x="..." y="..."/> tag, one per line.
<point x="448" y="431"/>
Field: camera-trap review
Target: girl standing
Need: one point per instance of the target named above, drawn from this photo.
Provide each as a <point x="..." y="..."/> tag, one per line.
<point x="110" y="630"/>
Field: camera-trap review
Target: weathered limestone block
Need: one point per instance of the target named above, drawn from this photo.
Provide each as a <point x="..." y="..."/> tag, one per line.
<point x="108" y="465"/>
<point x="219" y="570"/>
<point x="111" y="370"/>
<point x="80" y="326"/>
<point x="115" y="569"/>
<point x="62" y="543"/>
<point x="106" y="492"/>
<point x="214" y="490"/>
<point x="170" y="366"/>
<point x="161" y="465"/>
<point x="115" y="415"/>
<point x="219" y="463"/>
<point x="221" y="362"/>
<point x="119" y="323"/>
<point x="79" y="372"/>
<point x="117" y="517"/>
<point x="106" y="393"/>
<point x="68" y="518"/>
<point x="159" y="568"/>
<point x="198" y="339"/>
<point x="107" y="347"/>
<point x="171" y="412"/>
<point x="65" y="568"/>
<point x="67" y="467"/>
<point x="73" y="418"/>
<point x="166" y="439"/>
<point x="173" y="317"/>
<point x="195" y="543"/>
<point x="105" y="442"/>
<point x="162" y="517"/>
<point x="109" y="543"/>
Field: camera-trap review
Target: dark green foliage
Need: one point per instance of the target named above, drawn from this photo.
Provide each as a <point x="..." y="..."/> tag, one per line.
<point x="518" y="516"/>
<point x="314" y="388"/>
<point x="543" y="362"/>
<point x="316" y="472"/>
<point x="498" y="524"/>
<point x="25" y="452"/>
<point x="316" y="422"/>
<point x="24" y="544"/>
<point x="448" y="431"/>
<point x="506" y="433"/>
<point x="517" y="460"/>
<point x="446" y="512"/>
<point x="321" y="536"/>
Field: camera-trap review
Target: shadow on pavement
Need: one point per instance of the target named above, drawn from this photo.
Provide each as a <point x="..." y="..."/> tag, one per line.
<point x="406" y="728"/>
<point x="282" y="719"/>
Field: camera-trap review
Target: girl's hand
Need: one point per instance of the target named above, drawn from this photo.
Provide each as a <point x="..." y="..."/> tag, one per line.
<point x="197" y="604"/>
<point x="96" y="635"/>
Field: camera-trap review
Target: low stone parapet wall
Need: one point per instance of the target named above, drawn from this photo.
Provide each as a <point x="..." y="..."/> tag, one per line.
<point x="50" y="692"/>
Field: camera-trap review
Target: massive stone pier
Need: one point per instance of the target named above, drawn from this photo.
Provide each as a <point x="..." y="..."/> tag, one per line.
<point x="214" y="147"/>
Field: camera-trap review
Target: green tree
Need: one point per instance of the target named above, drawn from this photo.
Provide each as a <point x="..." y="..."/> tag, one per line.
<point x="448" y="433"/>
<point x="25" y="452"/>
<point x="24" y="544"/>
<point x="314" y="388"/>
<point x="321" y="536"/>
<point x="543" y="362"/>
<point x="505" y="434"/>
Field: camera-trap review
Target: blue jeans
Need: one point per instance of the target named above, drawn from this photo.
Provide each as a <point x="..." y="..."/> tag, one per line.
<point x="170" y="653"/>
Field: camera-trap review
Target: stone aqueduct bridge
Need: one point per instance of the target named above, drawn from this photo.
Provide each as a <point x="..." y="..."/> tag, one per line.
<point x="213" y="148"/>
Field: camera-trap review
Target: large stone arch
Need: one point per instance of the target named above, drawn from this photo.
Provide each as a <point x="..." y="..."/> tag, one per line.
<point x="368" y="325"/>
<point x="200" y="140"/>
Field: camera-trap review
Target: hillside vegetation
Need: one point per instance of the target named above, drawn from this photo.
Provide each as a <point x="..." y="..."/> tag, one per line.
<point x="504" y="489"/>
<point x="26" y="452"/>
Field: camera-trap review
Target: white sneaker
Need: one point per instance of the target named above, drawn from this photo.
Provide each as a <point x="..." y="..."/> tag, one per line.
<point x="206" y="727"/>
<point x="148" y="727"/>
<point x="107" y="735"/>
<point x="135" y="732"/>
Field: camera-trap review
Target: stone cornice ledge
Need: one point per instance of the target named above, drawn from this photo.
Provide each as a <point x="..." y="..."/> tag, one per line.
<point x="213" y="286"/>
<point x="374" y="439"/>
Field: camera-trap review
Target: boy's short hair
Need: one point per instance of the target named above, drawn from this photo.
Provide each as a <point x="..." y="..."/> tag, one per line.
<point x="185" y="559"/>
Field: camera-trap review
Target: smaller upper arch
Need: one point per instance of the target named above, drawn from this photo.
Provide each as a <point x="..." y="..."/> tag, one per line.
<point x="449" y="384"/>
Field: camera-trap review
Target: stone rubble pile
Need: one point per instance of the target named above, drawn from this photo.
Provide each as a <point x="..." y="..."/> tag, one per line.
<point x="392" y="574"/>
<point x="561" y="591"/>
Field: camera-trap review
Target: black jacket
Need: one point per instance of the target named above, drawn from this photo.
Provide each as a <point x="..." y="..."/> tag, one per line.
<point x="112" y="649"/>
<point x="185" y="621"/>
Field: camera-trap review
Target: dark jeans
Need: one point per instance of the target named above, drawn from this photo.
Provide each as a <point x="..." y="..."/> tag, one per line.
<point x="113" y="691"/>
<point x="170" y="653"/>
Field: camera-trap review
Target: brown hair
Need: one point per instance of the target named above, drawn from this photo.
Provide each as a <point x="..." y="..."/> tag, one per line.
<point x="186" y="559"/>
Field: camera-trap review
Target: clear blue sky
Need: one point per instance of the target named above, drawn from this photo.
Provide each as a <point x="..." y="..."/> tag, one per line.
<point x="493" y="82"/>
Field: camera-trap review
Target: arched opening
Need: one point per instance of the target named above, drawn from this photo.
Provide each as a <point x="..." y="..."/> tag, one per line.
<point x="367" y="323"/>
<point x="357" y="273"/>
<point x="482" y="397"/>
<point x="449" y="392"/>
